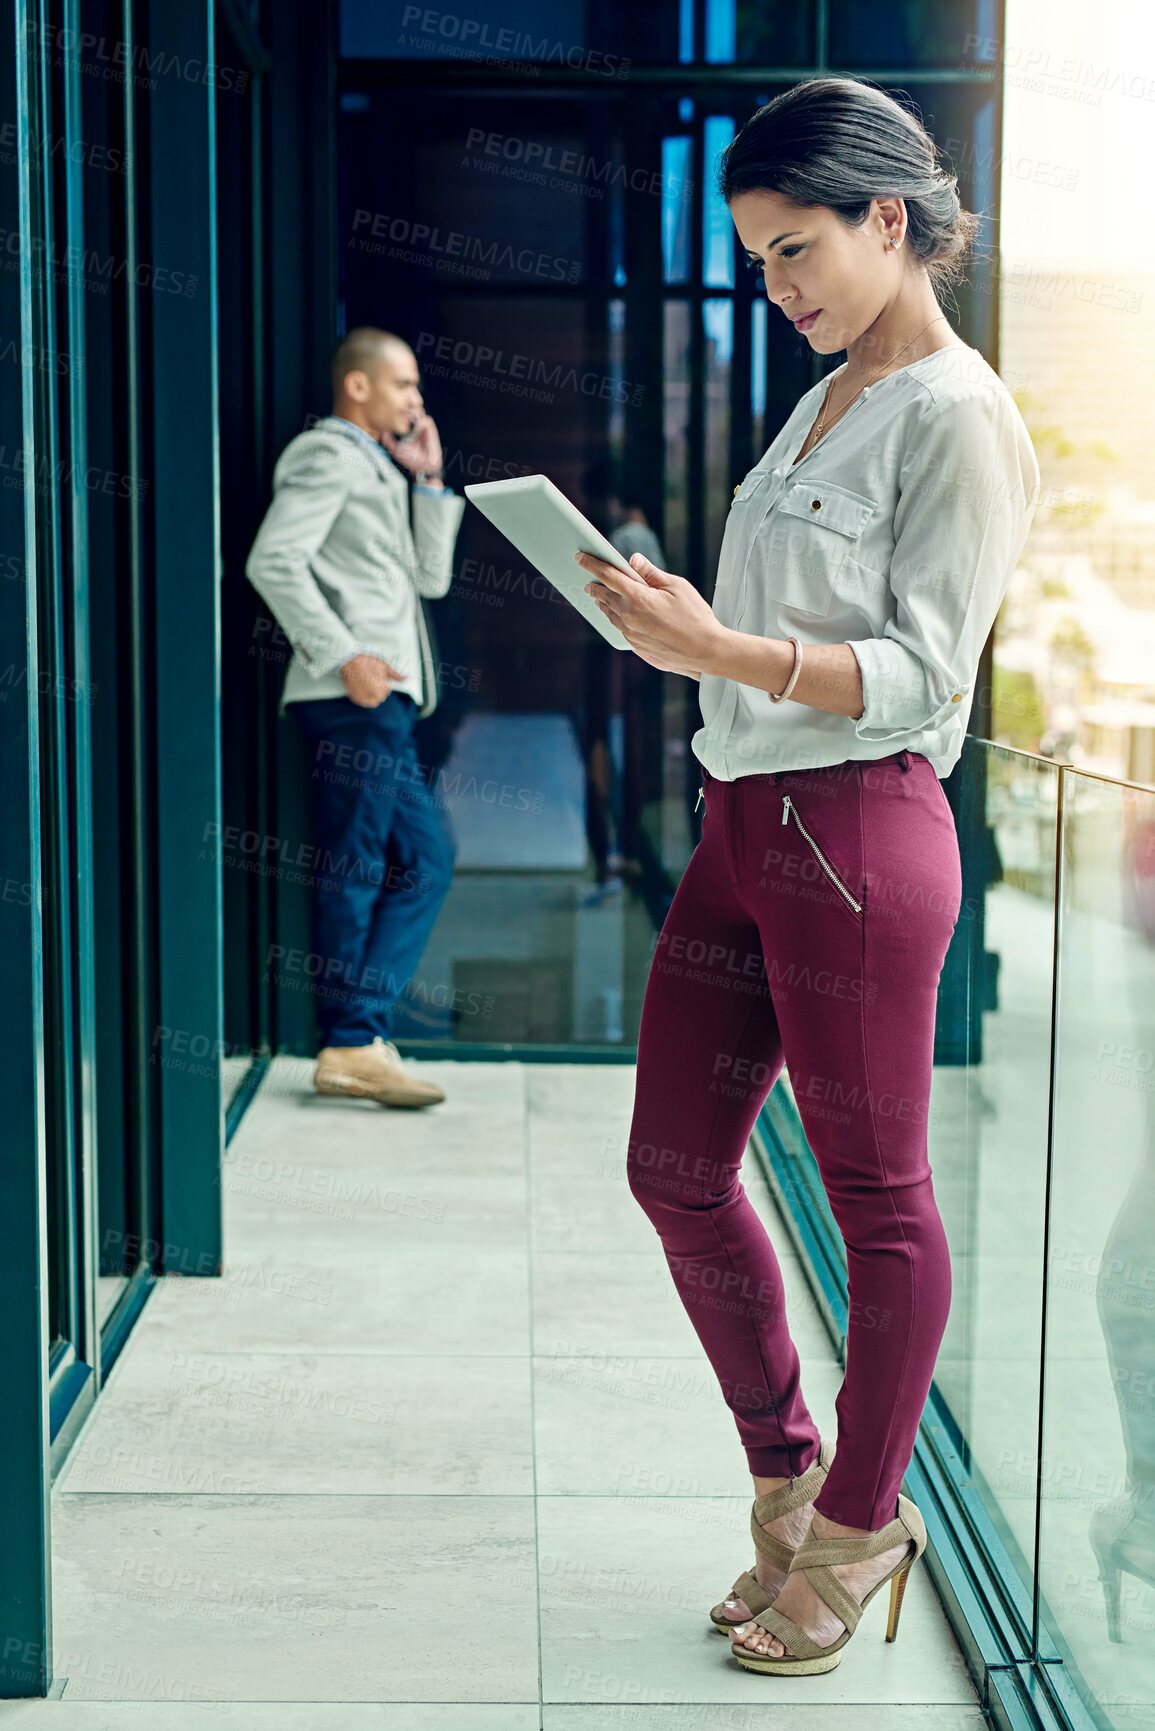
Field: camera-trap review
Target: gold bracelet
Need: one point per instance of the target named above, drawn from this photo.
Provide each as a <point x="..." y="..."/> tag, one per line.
<point x="794" y="674"/>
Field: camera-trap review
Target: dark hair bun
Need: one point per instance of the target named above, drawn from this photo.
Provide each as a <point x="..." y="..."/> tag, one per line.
<point x="841" y="142"/>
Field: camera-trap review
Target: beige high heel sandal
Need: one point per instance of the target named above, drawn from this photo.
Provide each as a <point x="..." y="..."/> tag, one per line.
<point x="795" y="1495"/>
<point x="804" y="1657"/>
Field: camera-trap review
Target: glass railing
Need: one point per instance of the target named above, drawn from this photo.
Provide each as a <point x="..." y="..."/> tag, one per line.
<point x="1037" y="1450"/>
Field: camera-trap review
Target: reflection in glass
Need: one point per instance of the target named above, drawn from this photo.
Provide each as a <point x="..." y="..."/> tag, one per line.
<point x="1097" y="1514"/>
<point x="988" y="1129"/>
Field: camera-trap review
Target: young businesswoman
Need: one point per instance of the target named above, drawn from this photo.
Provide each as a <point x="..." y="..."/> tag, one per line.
<point x="864" y="560"/>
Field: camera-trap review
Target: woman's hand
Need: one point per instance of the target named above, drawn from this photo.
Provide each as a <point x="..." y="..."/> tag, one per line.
<point x="662" y="617"/>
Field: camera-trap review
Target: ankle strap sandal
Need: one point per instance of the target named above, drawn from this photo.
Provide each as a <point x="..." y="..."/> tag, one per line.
<point x="795" y="1495"/>
<point x="804" y="1657"/>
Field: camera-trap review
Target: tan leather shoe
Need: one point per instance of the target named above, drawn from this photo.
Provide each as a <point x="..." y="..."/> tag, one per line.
<point x="372" y="1073"/>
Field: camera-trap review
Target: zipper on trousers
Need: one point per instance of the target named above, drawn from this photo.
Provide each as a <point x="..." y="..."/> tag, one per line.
<point x="789" y="809"/>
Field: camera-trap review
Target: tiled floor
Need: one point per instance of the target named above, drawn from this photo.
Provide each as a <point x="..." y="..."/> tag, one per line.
<point x="440" y="1450"/>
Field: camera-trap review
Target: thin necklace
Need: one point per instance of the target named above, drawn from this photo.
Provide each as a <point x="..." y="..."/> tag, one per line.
<point x="821" y="426"/>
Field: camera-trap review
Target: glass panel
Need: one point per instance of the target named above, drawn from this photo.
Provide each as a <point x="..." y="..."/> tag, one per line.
<point x="523" y="753"/>
<point x="1097" y="1519"/>
<point x="125" y="1019"/>
<point x="515" y="31"/>
<point x="545" y="751"/>
<point x="773" y="33"/>
<point x="526" y="177"/>
<point x="721" y="24"/>
<point x="599" y="36"/>
<point x="59" y="703"/>
<point x="676" y="430"/>
<point x="899" y="33"/>
<point x="1072" y="659"/>
<point x="988" y="1128"/>
<point x="717" y="225"/>
<point x="685" y="30"/>
<point x="718" y="320"/>
<point x="252" y="661"/>
<point x="677" y="209"/>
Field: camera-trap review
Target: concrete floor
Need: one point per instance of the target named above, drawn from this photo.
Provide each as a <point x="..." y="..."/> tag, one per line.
<point x="440" y="1450"/>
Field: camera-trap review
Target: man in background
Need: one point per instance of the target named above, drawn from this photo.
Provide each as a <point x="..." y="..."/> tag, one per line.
<point x="361" y="526"/>
<point x="616" y="507"/>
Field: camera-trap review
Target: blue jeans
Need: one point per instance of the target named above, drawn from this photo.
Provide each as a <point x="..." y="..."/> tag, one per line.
<point x="384" y="865"/>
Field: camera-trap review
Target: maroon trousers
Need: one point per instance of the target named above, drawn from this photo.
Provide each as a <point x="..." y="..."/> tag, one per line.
<point x="810" y="927"/>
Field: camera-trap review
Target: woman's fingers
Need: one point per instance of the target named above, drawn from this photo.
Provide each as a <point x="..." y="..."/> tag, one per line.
<point x="618" y="580"/>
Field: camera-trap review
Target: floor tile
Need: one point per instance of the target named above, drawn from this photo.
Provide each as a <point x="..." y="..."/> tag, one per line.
<point x="408" y="1302"/>
<point x="292" y="1202"/>
<point x="291" y="1598"/>
<point x="181" y="1420"/>
<point x="77" y="1715"/>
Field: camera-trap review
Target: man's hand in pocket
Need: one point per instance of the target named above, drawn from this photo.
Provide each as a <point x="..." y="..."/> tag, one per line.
<point x="369" y="680"/>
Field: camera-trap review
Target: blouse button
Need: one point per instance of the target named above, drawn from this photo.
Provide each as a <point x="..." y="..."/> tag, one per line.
<point x="736" y="488"/>
<point x="956" y="697"/>
<point x="816" y="504"/>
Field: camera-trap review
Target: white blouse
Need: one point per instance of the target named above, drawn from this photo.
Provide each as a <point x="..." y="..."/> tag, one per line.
<point x="897" y="533"/>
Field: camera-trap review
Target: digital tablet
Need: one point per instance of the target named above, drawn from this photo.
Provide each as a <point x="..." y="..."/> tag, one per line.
<point x="548" y="529"/>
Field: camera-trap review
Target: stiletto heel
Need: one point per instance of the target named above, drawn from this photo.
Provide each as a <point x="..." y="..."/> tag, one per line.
<point x="1118" y="1530"/>
<point x="1111" y="1585"/>
<point x="804" y="1656"/>
<point x="897" y="1589"/>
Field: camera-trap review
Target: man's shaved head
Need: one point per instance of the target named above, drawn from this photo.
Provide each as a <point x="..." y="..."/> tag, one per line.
<point x="364" y="349"/>
<point x="376" y="382"/>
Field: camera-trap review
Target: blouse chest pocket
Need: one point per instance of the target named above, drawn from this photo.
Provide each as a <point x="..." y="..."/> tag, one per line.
<point x="805" y="539"/>
<point x="751" y="492"/>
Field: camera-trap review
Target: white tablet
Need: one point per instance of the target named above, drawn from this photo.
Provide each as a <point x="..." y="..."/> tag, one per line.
<point x="548" y="529"/>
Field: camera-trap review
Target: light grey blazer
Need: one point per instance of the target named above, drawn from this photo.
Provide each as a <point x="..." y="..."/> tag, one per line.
<point x="340" y="568"/>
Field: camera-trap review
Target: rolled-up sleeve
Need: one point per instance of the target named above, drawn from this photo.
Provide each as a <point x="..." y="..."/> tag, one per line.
<point x="968" y="491"/>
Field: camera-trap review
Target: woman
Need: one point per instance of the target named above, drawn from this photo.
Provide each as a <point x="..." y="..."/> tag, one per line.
<point x="864" y="560"/>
